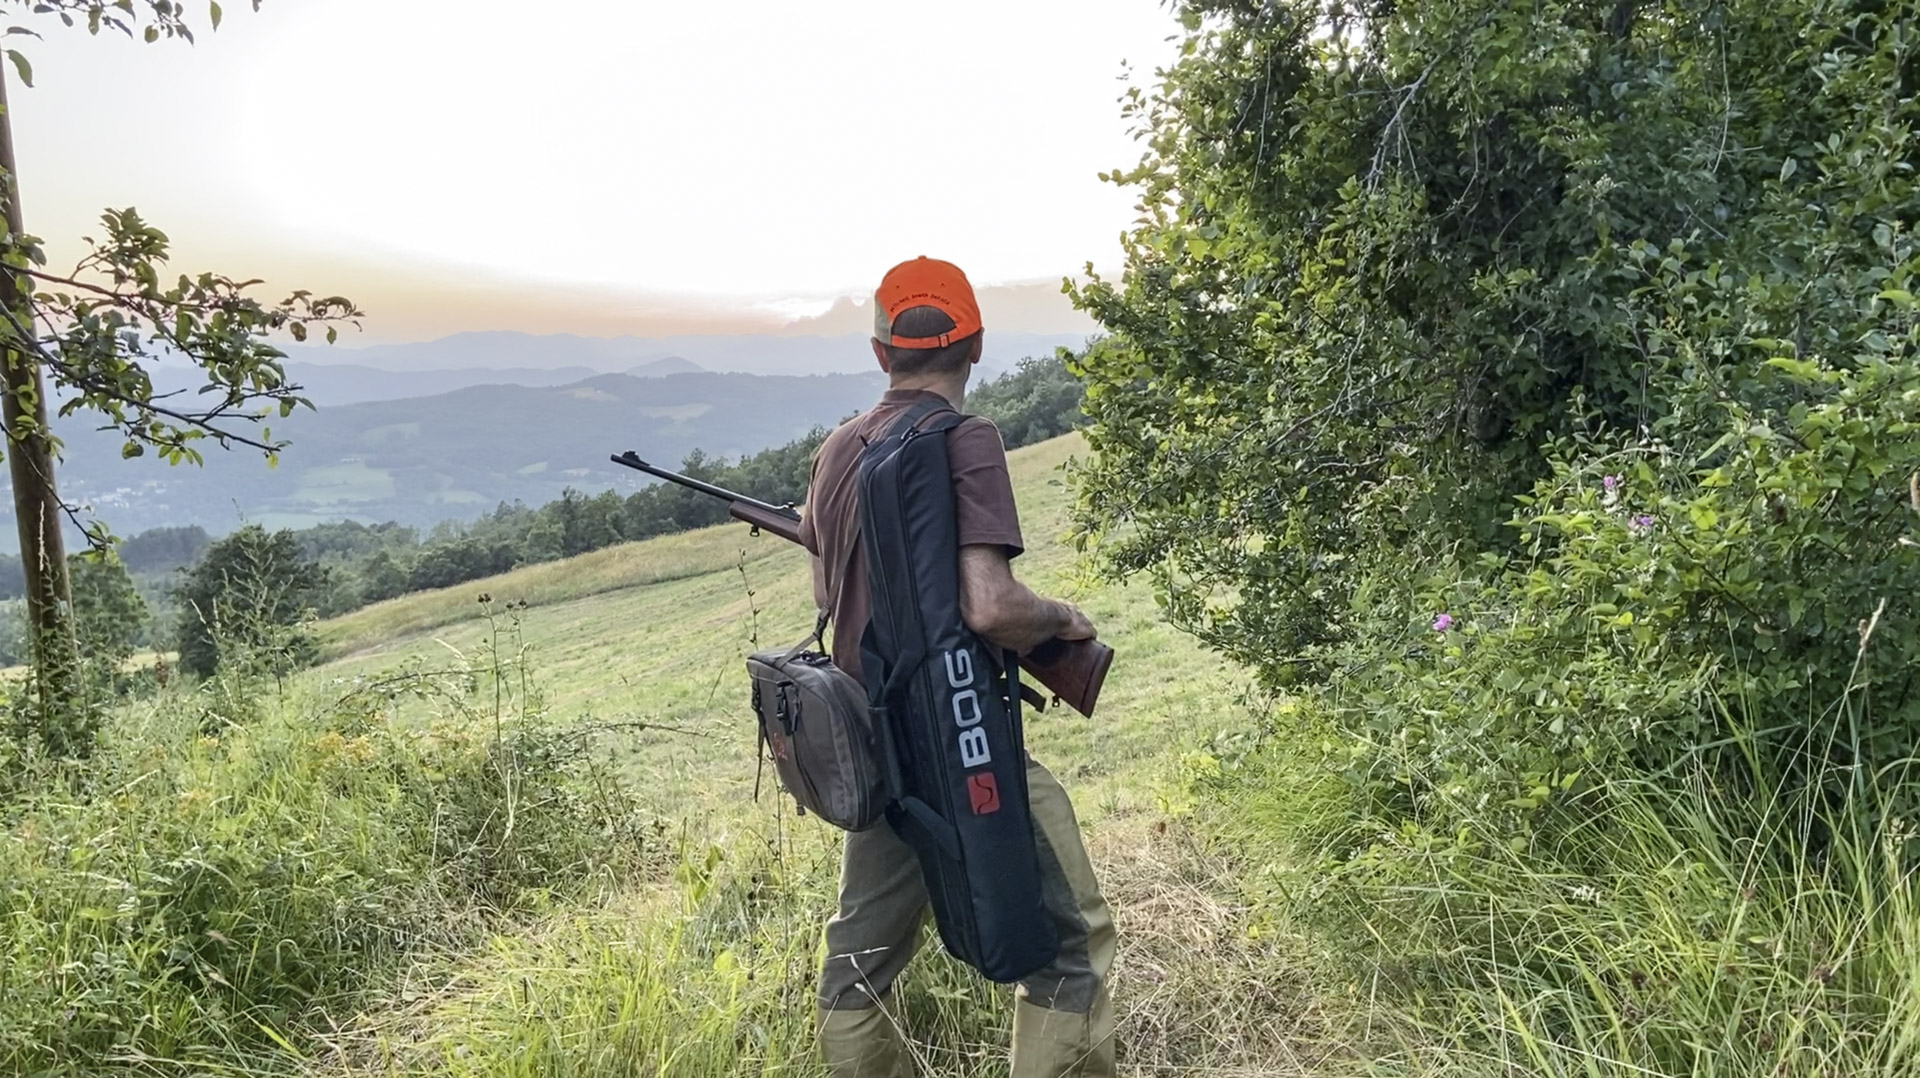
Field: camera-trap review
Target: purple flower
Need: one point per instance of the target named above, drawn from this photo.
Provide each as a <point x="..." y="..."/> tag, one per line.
<point x="1442" y="623"/>
<point x="1611" y="483"/>
<point x="1641" y="524"/>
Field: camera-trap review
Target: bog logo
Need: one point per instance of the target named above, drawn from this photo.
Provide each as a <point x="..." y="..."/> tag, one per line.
<point x="984" y="791"/>
<point x="974" y="751"/>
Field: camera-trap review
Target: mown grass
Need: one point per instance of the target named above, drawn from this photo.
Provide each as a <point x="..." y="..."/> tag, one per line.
<point x="630" y="565"/>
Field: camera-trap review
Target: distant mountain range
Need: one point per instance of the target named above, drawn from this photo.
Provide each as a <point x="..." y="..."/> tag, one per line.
<point x="741" y="353"/>
<point x="455" y="455"/>
<point x="354" y="383"/>
<point x="447" y="429"/>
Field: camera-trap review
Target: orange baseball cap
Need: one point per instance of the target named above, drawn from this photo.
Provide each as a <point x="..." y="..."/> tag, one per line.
<point x="925" y="282"/>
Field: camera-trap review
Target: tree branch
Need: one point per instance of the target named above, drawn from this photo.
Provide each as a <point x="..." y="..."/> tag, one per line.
<point x="203" y="421"/>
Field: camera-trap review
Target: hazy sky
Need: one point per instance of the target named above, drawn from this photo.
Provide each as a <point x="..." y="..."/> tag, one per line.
<point x="599" y="165"/>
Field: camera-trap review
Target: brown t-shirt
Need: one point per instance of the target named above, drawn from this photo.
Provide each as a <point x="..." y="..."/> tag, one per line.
<point x="983" y="507"/>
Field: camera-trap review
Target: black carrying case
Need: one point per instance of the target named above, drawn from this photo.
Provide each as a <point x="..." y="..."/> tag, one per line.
<point x="952" y="704"/>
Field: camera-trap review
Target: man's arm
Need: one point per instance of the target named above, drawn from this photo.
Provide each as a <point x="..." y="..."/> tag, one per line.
<point x="1006" y="612"/>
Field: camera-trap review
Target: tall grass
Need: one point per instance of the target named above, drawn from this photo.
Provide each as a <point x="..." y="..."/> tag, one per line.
<point x="238" y="866"/>
<point x="1722" y="934"/>
<point x="711" y="973"/>
<point x="1715" y="921"/>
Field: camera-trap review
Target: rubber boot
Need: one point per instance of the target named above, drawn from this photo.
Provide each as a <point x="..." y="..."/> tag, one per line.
<point x="1062" y="1044"/>
<point x="863" y="1043"/>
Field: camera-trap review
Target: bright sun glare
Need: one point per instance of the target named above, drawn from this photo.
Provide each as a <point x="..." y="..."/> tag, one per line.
<point x="764" y="150"/>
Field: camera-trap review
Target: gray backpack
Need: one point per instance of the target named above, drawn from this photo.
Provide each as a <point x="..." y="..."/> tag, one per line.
<point x="816" y="724"/>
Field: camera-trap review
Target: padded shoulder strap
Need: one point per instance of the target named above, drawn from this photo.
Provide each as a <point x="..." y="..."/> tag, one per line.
<point x="911" y="419"/>
<point x="914" y="418"/>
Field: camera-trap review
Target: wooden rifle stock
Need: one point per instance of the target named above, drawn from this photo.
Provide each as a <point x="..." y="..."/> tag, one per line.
<point x="1072" y="670"/>
<point x="762" y="520"/>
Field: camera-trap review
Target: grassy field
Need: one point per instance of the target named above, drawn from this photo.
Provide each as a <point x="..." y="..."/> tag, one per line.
<point x="705" y="965"/>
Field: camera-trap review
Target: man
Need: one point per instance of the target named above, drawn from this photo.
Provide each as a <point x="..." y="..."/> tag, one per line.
<point x="927" y="337"/>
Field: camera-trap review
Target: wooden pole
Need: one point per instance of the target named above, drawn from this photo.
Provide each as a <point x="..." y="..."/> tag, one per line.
<point x="36" y="505"/>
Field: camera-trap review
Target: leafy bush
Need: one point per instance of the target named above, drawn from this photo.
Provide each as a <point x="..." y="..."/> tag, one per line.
<point x="1513" y="384"/>
<point x="1402" y="304"/>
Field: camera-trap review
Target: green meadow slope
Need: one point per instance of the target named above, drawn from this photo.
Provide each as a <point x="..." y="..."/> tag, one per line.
<point x="656" y="632"/>
<point x="701" y="962"/>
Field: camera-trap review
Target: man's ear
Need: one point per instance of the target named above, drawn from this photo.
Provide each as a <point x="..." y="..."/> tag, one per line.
<point x="978" y="348"/>
<point x="880" y="353"/>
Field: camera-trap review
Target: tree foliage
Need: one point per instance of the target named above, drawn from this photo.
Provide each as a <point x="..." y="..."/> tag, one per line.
<point x="1039" y="399"/>
<point x="1590" y="327"/>
<point x="247" y="600"/>
<point x="91" y="332"/>
<point x="109" y="611"/>
<point x="162" y="550"/>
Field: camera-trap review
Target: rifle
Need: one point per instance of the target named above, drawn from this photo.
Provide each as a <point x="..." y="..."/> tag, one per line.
<point x="1073" y="670"/>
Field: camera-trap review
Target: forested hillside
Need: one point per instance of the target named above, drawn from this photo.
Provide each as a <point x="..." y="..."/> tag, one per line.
<point x="455" y="455"/>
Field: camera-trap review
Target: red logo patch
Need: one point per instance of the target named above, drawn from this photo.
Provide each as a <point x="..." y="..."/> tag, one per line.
<point x="780" y="750"/>
<point x="984" y="790"/>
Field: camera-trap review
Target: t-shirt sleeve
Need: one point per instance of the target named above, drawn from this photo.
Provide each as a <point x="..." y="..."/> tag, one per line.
<point x="982" y="489"/>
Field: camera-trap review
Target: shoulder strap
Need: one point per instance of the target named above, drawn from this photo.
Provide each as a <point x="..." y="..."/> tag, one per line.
<point x="911" y="419"/>
<point x="850" y="534"/>
<point x="951" y="417"/>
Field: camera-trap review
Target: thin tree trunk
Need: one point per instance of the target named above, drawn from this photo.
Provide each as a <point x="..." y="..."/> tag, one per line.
<point x="36" y="506"/>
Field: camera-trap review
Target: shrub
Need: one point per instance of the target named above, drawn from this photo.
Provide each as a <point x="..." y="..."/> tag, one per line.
<point x="1401" y="305"/>
<point x="1515" y="384"/>
<point x="247" y="596"/>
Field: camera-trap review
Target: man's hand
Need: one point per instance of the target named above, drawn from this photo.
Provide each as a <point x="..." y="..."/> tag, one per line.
<point x="1078" y="627"/>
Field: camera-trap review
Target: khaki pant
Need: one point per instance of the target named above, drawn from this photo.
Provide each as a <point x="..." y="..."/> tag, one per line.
<point x="1063" y="1017"/>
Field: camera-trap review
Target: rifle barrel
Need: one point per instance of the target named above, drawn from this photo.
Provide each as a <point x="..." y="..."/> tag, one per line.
<point x="633" y="461"/>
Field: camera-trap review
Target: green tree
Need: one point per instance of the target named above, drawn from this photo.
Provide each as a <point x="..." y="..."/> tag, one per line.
<point x="164" y="550"/>
<point x="247" y="599"/>
<point x="107" y="609"/>
<point x="1598" y="320"/>
<point x="449" y="562"/>
<point x="1039" y="399"/>
<point x="91" y="330"/>
<point x="382" y="578"/>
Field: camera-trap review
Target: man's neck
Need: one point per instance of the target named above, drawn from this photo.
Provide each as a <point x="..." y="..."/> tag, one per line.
<point x="952" y="387"/>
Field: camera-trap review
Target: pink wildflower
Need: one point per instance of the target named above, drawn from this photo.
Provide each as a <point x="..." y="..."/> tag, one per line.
<point x="1442" y="623"/>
